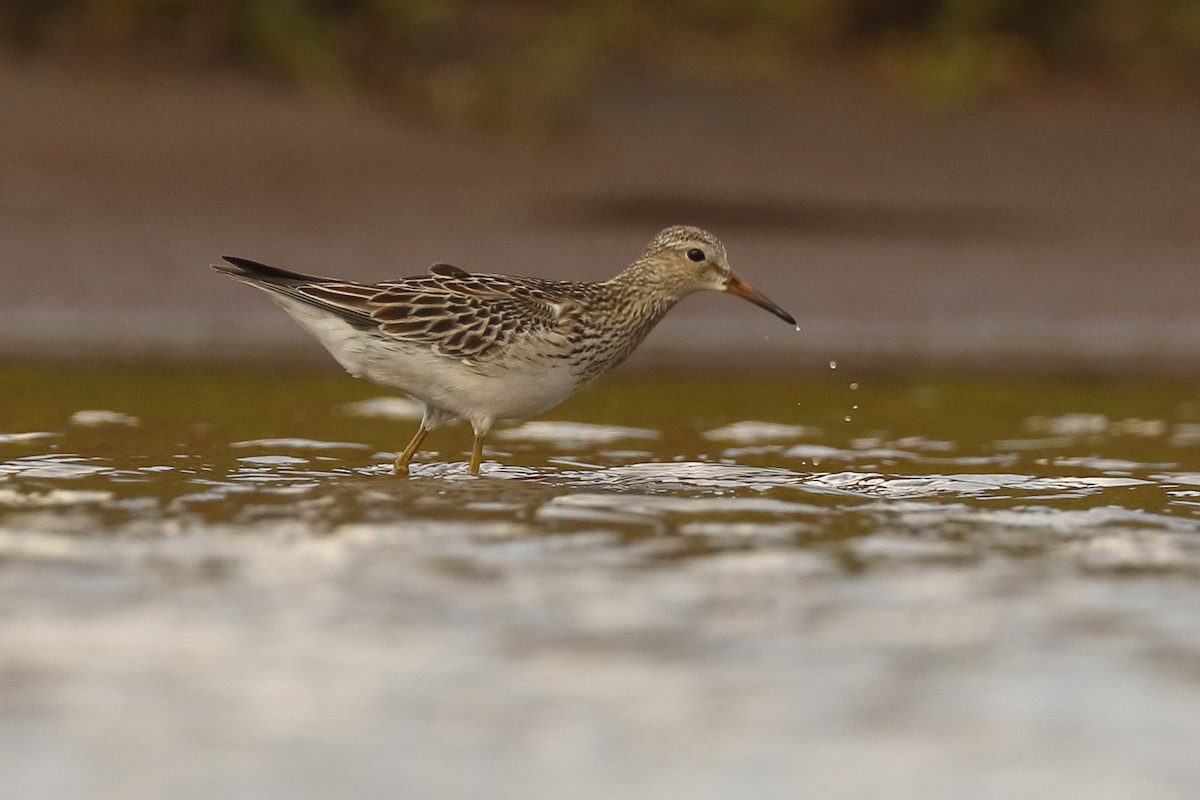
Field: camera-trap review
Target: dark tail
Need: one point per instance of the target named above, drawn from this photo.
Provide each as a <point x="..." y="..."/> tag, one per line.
<point x="254" y="272"/>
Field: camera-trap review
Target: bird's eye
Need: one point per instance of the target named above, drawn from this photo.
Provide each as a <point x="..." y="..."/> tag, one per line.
<point x="696" y="254"/>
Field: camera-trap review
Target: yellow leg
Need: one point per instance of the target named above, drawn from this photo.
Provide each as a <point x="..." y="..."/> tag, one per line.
<point x="401" y="467"/>
<point x="476" y="453"/>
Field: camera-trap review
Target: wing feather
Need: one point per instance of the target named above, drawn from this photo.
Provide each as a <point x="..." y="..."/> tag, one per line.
<point x="468" y="316"/>
<point x="451" y="311"/>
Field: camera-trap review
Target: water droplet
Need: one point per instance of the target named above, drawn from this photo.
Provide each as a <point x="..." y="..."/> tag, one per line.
<point x="854" y="408"/>
<point x="797" y="327"/>
<point x="854" y="386"/>
<point x="833" y="365"/>
<point x="847" y="418"/>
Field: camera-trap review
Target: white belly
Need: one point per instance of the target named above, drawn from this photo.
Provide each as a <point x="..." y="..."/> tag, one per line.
<point x="478" y="393"/>
<point x="473" y="392"/>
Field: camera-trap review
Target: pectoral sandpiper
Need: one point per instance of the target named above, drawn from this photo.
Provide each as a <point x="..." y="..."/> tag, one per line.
<point x="481" y="347"/>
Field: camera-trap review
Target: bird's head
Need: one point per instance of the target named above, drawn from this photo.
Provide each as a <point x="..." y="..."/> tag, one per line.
<point x="692" y="259"/>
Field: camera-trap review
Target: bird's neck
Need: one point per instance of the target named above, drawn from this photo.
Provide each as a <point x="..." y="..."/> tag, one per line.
<point x="640" y="295"/>
<point x="643" y="280"/>
<point x="629" y="309"/>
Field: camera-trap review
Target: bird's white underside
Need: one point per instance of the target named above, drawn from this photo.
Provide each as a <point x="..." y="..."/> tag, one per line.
<point x="520" y="389"/>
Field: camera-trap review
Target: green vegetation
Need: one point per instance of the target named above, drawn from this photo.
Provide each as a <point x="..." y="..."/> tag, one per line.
<point x="492" y="60"/>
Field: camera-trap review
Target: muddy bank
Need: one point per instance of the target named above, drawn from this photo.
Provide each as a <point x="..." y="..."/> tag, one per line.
<point x="1050" y="232"/>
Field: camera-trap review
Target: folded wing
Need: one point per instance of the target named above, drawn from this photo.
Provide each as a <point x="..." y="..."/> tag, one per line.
<point x="451" y="311"/>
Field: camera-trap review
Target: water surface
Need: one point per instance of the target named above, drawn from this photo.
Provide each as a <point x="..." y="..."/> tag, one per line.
<point x="836" y="586"/>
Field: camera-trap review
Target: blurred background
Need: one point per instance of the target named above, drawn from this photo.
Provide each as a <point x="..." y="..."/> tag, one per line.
<point x="991" y="184"/>
<point x="963" y="564"/>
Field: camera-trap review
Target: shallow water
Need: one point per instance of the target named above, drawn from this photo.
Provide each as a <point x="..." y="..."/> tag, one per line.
<point x="838" y="586"/>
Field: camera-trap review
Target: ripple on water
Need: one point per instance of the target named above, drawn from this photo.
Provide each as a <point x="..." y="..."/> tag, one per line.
<point x="687" y="475"/>
<point x="966" y="485"/>
<point x="573" y="434"/>
<point x="658" y="504"/>
<point x="397" y="408"/>
<point x="11" y="498"/>
<point x="1081" y="425"/>
<point x="31" y="436"/>
<point x="754" y="431"/>
<point x="53" y="465"/>
<point x="874" y="450"/>
<point x="300" y="444"/>
<point x="1185" y="434"/>
<point x="98" y="418"/>
<point x="828" y="616"/>
<point x="587" y="473"/>
<point x="273" y="460"/>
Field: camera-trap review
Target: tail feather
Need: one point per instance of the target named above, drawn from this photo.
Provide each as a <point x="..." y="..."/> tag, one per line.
<point x="246" y="269"/>
<point x="308" y="289"/>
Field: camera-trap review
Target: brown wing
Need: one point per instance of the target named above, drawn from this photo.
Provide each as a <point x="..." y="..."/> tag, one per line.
<point x="470" y="316"/>
<point x="451" y="311"/>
